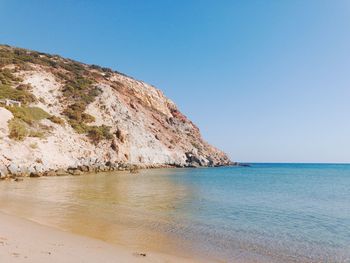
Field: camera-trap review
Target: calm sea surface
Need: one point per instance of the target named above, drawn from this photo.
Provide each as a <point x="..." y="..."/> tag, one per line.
<point x="263" y="213"/>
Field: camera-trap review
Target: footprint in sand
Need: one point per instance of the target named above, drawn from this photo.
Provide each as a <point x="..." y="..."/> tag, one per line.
<point x="2" y="241"/>
<point x="137" y="254"/>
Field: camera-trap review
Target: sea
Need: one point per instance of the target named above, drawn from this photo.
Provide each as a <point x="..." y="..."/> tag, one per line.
<point x="262" y="213"/>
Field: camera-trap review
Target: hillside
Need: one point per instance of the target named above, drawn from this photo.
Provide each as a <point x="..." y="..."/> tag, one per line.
<point x="77" y="118"/>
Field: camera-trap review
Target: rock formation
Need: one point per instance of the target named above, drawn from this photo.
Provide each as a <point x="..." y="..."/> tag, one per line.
<point x="77" y="118"/>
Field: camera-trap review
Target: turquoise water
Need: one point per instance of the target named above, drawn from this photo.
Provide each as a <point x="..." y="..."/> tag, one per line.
<point x="262" y="213"/>
<point x="280" y="212"/>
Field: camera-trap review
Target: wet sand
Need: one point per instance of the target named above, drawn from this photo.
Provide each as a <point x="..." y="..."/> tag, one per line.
<point x="25" y="241"/>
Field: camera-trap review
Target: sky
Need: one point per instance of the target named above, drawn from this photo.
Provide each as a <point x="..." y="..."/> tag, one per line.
<point x="266" y="81"/>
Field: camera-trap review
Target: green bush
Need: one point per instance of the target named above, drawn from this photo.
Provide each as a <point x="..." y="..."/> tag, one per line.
<point x="74" y="67"/>
<point x="99" y="133"/>
<point x="36" y="133"/>
<point x="6" y="77"/>
<point x="79" y="127"/>
<point x="74" y="112"/>
<point x="56" y="120"/>
<point x="24" y="87"/>
<point x="6" y="92"/>
<point x="28" y="114"/>
<point x="25" y="122"/>
<point x="97" y="67"/>
<point x="83" y="93"/>
<point x="87" y="118"/>
<point x="94" y="133"/>
<point x="78" y="83"/>
<point x="17" y="129"/>
<point x="80" y="89"/>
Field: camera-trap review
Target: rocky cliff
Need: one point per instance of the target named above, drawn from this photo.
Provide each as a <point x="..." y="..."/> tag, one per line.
<point x="76" y="117"/>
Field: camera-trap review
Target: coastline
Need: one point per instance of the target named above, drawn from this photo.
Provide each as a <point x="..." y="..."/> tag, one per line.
<point x="22" y="240"/>
<point x="14" y="171"/>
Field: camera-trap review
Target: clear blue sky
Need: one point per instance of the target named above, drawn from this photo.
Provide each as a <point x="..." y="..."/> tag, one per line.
<point x="264" y="80"/>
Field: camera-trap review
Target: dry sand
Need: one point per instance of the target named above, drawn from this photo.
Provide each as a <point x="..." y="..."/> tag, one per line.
<point x="22" y="240"/>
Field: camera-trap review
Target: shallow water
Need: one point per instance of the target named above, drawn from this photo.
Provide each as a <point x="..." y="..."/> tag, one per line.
<point x="263" y="213"/>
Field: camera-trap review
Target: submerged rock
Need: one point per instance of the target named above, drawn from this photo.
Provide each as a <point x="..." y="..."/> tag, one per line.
<point x="49" y="173"/>
<point x="61" y="172"/>
<point x="74" y="171"/>
<point x="18" y="179"/>
<point x="35" y="174"/>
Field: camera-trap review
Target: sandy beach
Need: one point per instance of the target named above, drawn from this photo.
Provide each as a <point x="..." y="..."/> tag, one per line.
<point x="22" y="240"/>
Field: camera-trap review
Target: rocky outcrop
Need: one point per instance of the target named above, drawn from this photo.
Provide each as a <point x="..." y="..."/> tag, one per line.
<point x="97" y="120"/>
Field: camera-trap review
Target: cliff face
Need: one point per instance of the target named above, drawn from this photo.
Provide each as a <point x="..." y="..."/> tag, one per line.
<point x="87" y="117"/>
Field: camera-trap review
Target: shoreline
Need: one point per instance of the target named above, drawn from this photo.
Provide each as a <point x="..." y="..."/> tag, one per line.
<point x="22" y="240"/>
<point x="15" y="171"/>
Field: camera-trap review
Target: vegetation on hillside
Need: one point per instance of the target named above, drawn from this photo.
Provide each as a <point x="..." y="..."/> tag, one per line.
<point x="10" y="88"/>
<point x="25" y="122"/>
<point x="7" y="78"/>
<point x="18" y="130"/>
<point x="79" y="90"/>
<point x="98" y="133"/>
<point x="56" y="120"/>
<point x="24" y="96"/>
<point x="29" y="115"/>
